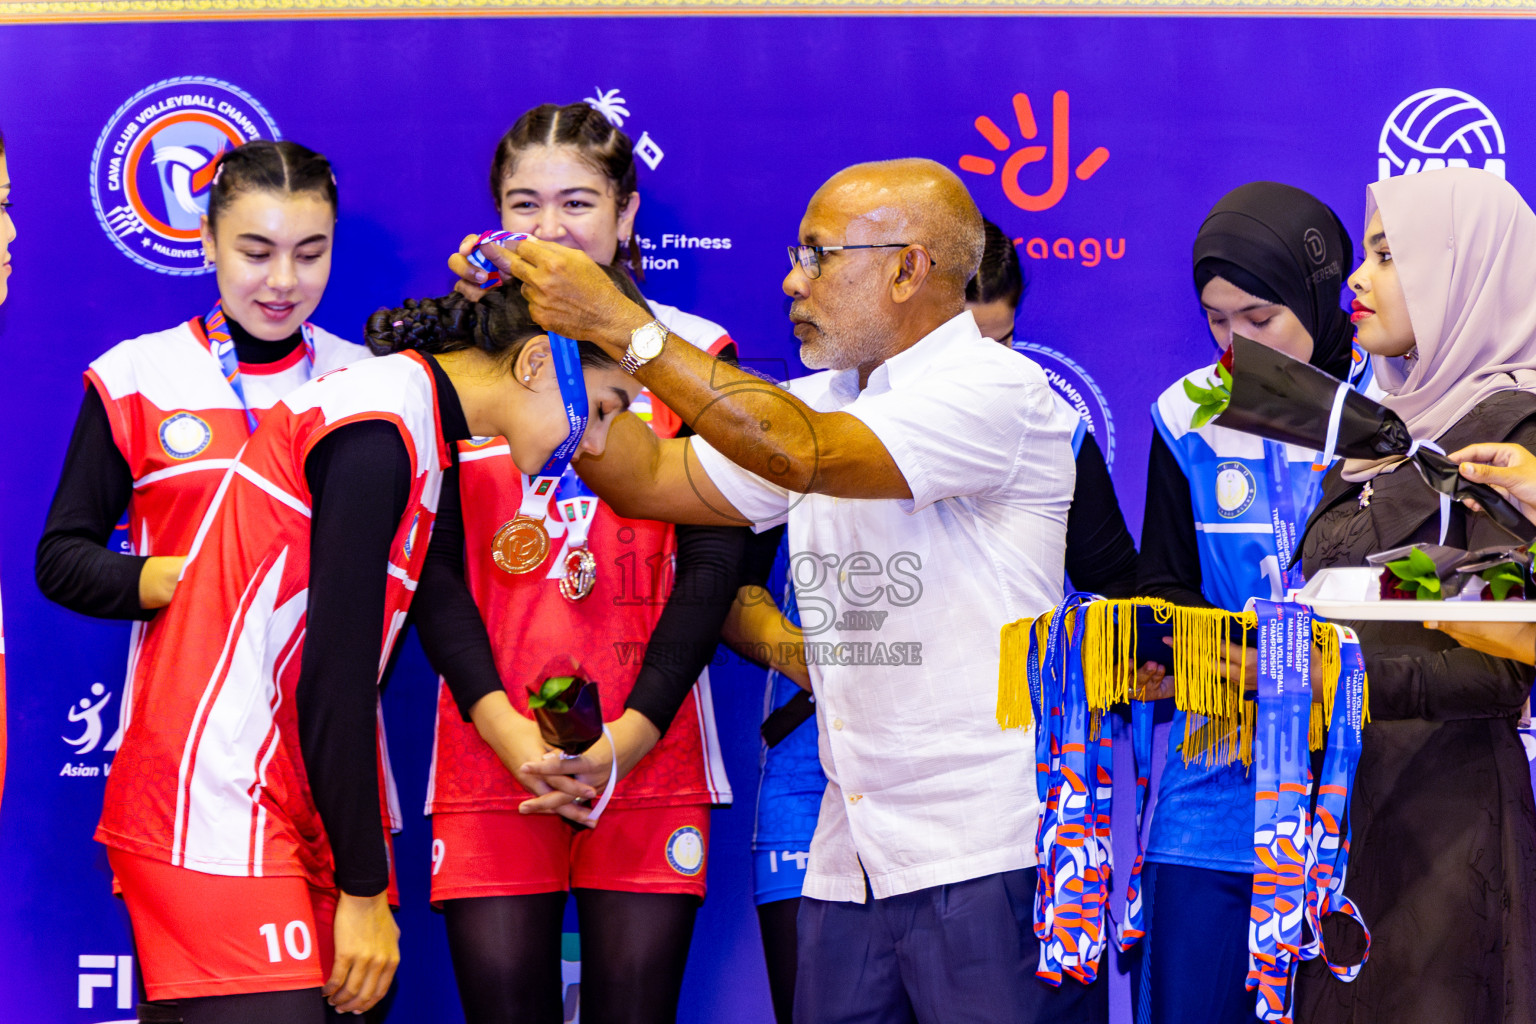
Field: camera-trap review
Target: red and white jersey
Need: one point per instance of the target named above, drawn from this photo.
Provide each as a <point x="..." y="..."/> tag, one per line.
<point x="179" y="426"/>
<point x="210" y="775"/>
<point x="607" y="633"/>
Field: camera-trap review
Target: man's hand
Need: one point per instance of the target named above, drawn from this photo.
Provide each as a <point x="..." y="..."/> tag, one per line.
<point x="516" y="740"/>
<point x="158" y="579"/>
<point x="633" y="737"/>
<point x="1246" y="661"/>
<point x="1508" y="468"/>
<point x="1513" y="640"/>
<point x="567" y="292"/>
<point x="367" y="953"/>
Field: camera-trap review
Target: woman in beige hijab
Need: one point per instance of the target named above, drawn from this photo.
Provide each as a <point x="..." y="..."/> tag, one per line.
<point x="1443" y="859"/>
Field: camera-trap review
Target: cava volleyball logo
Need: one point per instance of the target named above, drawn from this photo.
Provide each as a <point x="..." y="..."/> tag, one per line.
<point x="156" y="160"/>
<point x="1082" y="393"/>
<point x="1440" y="128"/>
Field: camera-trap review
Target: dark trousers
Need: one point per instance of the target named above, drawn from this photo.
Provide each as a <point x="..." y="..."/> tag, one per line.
<point x="951" y="954"/>
<point x="1194" y="959"/>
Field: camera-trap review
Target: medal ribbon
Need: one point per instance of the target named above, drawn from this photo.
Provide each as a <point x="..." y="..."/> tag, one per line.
<point x="1331" y="828"/>
<point x="1281" y="840"/>
<point x="1074" y="777"/>
<point x="540" y="488"/>
<point x="578" y="507"/>
<point x="1282" y="510"/>
<point x="222" y="345"/>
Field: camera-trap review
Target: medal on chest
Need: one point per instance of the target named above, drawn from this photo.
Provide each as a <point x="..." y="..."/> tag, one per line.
<point x="522" y="543"/>
<point x="577" y="512"/>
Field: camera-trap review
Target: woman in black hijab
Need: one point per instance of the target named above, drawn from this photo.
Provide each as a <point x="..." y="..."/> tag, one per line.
<point x="1269" y="264"/>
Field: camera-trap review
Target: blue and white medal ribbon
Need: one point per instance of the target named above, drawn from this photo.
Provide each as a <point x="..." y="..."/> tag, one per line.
<point x="522" y="543"/>
<point x="222" y="345"/>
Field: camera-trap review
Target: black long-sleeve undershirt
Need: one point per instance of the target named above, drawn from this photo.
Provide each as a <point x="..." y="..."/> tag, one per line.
<point x="1170" y="552"/>
<point x="73" y="565"/>
<point x="360" y="481"/>
<point x="1101" y="556"/>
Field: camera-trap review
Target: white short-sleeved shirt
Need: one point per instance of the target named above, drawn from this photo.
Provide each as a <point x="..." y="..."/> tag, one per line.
<point x="903" y="601"/>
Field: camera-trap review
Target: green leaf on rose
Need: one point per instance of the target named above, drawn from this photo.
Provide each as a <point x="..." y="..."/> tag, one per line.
<point x="548" y="695"/>
<point x="1503" y="578"/>
<point x="1417" y="574"/>
<point x="1211" y="401"/>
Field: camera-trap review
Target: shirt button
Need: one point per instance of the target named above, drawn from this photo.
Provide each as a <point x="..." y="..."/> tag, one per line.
<point x="837" y="723"/>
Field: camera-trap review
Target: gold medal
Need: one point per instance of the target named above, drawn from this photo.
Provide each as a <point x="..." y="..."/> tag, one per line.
<point x="520" y="546"/>
<point x="580" y="575"/>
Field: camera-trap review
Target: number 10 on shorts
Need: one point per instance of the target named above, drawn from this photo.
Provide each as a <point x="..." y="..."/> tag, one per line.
<point x="295" y="940"/>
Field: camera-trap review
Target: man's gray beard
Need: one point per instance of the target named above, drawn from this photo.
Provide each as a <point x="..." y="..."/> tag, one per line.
<point x="869" y="346"/>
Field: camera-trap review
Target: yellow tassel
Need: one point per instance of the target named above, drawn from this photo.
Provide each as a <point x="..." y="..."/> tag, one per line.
<point x="1014" y="707"/>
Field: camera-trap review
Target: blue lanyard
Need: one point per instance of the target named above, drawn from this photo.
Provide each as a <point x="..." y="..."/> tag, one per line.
<point x="1331" y="827"/>
<point x="222" y="345"/>
<point x="1074" y="777"/>
<point x="573" y="392"/>
<point x="1282" y="510"/>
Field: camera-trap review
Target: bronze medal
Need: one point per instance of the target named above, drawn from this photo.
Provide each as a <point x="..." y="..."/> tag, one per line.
<point x="520" y="546"/>
<point x="580" y="575"/>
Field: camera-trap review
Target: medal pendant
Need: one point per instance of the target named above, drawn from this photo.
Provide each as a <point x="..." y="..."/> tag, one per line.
<point x="520" y="546"/>
<point x="580" y="575"/>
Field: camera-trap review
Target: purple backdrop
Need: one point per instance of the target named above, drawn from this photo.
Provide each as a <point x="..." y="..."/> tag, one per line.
<point x="745" y="117"/>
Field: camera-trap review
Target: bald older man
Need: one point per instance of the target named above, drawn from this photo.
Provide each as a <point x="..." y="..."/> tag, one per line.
<point x="925" y="474"/>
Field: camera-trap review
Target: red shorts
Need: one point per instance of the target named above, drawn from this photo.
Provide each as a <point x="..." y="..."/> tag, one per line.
<point x="215" y="935"/>
<point x="504" y="853"/>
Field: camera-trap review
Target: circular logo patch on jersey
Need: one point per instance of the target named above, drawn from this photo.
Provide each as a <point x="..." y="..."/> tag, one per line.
<point x="410" y="535"/>
<point x="1235" y="489"/>
<point x="184" y="435"/>
<point x="1081" y="392"/>
<point x="156" y="160"/>
<point x="685" y="850"/>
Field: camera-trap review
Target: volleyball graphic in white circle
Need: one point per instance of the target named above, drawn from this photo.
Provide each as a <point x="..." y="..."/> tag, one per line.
<point x="1440" y="128"/>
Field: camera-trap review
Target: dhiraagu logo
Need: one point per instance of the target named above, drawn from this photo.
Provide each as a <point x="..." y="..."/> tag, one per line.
<point x="1058" y="153"/>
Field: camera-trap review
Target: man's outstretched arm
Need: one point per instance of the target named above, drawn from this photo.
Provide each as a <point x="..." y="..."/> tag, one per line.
<point x="760" y="427"/>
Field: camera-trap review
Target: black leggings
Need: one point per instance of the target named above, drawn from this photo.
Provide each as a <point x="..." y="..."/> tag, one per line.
<point x="781" y="951"/>
<point x="634" y="946"/>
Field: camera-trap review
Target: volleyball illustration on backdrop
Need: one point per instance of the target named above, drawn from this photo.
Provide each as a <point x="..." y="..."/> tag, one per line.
<point x="1439" y="128"/>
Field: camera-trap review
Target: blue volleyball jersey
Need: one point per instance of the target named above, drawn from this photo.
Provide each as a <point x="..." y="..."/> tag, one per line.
<point x="790" y="782"/>
<point x="1204" y="816"/>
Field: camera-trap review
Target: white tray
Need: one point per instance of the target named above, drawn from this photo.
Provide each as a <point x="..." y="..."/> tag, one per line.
<point x="1355" y="593"/>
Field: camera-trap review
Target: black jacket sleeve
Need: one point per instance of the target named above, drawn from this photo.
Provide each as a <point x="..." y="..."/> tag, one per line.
<point x="704" y="587"/>
<point x="448" y="621"/>
<point x="74" y="567"/>
<point x="1101" y="556"/>
<point x="1169" y="566"/>
<point x="359" y="479"/>
<point x="1408" y="681"/>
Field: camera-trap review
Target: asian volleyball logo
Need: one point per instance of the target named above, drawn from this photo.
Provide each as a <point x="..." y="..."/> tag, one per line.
<point x="1440" y="128"/>
<point x="156" y="159"/>
<point x="1079" y="390"/>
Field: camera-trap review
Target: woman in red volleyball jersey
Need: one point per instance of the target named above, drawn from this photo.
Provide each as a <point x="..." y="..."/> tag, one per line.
<point x="245" y="812"/>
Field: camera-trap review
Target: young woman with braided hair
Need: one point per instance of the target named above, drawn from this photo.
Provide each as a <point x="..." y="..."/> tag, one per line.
<point x="565" y="174"/>
<point x="245" y="816"/>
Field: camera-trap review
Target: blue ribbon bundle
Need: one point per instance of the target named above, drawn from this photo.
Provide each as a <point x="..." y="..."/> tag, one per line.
<point x="1298" y="866"/>
<point x="1074" y="757"/>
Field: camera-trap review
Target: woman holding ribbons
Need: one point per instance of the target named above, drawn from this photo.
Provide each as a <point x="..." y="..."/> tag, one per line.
<point x="245" y="814"/>
<point x="1443" y="862"/>
<point x="604" y="595"/>
<point x="1269" y="261"/>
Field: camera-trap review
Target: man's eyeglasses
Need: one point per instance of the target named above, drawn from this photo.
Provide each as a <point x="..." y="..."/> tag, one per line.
<point x="808" y="257"/>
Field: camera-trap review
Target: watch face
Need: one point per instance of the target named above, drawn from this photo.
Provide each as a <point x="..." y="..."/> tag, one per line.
<point x="648" y="340"/>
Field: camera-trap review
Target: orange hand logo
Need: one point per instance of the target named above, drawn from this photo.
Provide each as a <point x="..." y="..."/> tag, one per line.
<point x="1060" y="131"/>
